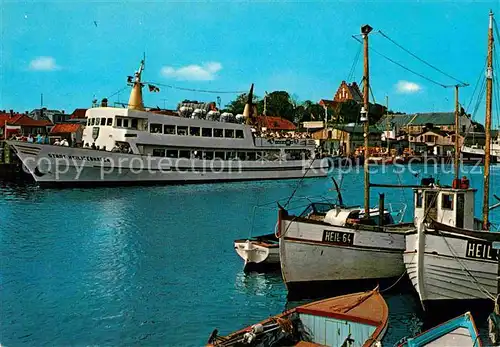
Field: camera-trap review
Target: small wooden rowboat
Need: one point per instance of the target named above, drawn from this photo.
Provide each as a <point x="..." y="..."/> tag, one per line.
<point x="460" y="331"/>
<point x="259" y="253"/>
<point x="358" y="319"/>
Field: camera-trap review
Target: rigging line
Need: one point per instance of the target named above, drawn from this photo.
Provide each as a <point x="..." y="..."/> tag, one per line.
<point x="197" y="90"/>
<point x="480" y="78"/>
<point x="423" y="61"/>
<point x="354" y="64"/>
<point x="407" y="69"/>
<point x="117" y="92"/>
<point x="373" y="96"/>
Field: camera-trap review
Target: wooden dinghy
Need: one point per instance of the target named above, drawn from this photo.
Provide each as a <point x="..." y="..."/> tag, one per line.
<point x="460" y="331"/>
<point x="260" y="253"/>
<point x="356" y="320"/>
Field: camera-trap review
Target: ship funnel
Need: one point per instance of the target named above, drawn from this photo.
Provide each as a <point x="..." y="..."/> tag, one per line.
<point x="249" y="111"/>
<point x="135" y="101"/>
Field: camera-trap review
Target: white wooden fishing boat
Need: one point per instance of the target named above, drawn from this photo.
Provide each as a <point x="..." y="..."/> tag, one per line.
<point x="359" y="319"/>
<point x="327" y="247"/>
<point x="259" y="253"/>
<point x="450" y="258"/>
<point x="458" y="332"/>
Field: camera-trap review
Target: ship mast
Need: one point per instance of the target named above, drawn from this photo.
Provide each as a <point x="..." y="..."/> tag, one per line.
<point x="487" y="127"/>
<point x="135" y="101"/>
<point x="365" y="30"/>
<point x="457" y="134"/>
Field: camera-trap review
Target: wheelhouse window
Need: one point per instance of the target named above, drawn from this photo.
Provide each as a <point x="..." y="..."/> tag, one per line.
<point x="447" y="201"/>
<point x="97" y="121"/>
<point x="171" y="153"/>
<point x="125" y="123"/>
<point x="241" y="155"/>
<point x="133" y="123"/>
<point x="218" y="132"/>
<point x="239" y="134"/>
<point x="185" y="154"/>
<point x="88" y="121"/>
<point x="103" y="121"/>
<point x="169" y="129"/>
<point x="182" y="130"/>
<point x="109" y="121"/>
<point x="118" y="122"/>
<point x="155" y="128"/>
<point x="229" y="133"/>
<point x="194" y="131"/>
<point x="158" y="152"/>
<point x="418" y="199"/>
<point x="92" y="121"/>
<point x="219" y="155"/>
<point x="206" y="132"/>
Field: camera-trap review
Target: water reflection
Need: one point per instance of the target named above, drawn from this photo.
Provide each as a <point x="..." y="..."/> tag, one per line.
<point x="260" y="284"/>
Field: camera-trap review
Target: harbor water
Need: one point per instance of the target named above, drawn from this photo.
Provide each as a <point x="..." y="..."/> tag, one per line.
<point x="155" y="266"/>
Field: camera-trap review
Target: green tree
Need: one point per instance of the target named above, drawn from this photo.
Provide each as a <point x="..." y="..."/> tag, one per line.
<point x="238" y="105"/>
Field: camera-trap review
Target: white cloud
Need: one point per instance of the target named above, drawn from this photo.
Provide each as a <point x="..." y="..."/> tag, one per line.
<point x="43" y="64"/>
<point x="204" y="72"/>
<point x="405" y="87"/>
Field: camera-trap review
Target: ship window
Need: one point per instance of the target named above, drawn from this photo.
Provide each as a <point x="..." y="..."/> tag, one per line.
<point x="230" y="155"/>
<point x="219" y="155"/>
<point x="251" y="156"/>
<point x="158" y="152"/>
<point x="447" y="201"/>
<point x="92" y="120"/>
<point x="182" y="130"/>
<point x="241" y="155"/>
<point x="125" y="123"/>
<point x="155" y="128"/>
<point x="194" y="131"/>
<point x="197" y="154"/>
<point x="172" y="153"/>
<point x="118" y="122"/>
<point x="133" y="123"/>
<point x="169" y="129"/>
<point x="110" y="121"/>
<point x="208" y="155"/>
<point x="103" y="121"/>
<point x="218" y="132"/>
<point x="418" y="199"/>
<point x="88" y="121"/>
<point x="239" y="134"/>
<point x="229" y="133"/>
<point x="206" y="132"/>
<point x="185" y="154"/>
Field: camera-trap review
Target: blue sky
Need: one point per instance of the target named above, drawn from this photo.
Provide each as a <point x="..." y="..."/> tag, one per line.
<point x="70" y="51"/>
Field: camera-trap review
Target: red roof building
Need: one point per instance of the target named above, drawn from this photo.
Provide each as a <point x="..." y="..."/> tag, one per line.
<point x="275" y="123"/>
<point x="21" y="124"/>
<point x="70" y="131"/>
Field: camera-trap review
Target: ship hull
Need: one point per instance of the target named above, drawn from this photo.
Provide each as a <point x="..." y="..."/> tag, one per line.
<point x="309" y="263"/>
<point x="66" y="166"/>
<point x="451" y="270"/>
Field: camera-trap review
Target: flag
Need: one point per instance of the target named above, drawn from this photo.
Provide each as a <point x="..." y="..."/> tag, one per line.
<point x="153" y="88"/>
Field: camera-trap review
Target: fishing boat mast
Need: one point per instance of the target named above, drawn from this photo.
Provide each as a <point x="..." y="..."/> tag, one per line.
<point x="457" y="135"/>
<point x="487" y="127"/>
<point x="365" y="30"/>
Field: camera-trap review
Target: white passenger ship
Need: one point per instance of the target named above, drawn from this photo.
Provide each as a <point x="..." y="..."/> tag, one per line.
<point x="134" y="146"/>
